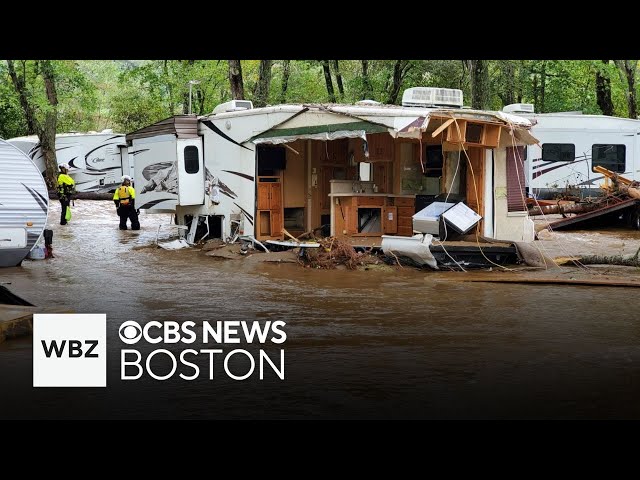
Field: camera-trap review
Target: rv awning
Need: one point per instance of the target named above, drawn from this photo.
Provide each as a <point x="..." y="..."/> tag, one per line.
<point x="327" y="132"/>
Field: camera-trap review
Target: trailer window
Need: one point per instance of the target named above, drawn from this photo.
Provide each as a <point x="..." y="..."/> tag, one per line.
<point x="191" y="160"/>
<point x="611" y="157"/>
<point x="558" y="152"/>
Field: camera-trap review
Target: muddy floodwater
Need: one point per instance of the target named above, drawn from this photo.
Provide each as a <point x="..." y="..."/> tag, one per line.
<point x="378" y="344"/>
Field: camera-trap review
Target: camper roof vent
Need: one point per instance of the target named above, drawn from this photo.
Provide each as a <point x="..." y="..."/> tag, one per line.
<point x="432" y="97"/>
<point x="519" y="108"/>
<point x="233" y="106"/>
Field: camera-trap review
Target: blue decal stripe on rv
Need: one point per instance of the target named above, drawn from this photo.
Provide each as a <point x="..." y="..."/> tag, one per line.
<point x="247" y="214"/>
<point x="63" y="148"/>
<point x="243" y="175"/>
<point x="210" y="124"/>
<point x="155" y="202"/>
<point x="37" y="198"/>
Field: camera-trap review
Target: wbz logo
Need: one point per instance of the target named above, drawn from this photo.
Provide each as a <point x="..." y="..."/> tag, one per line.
<point x="69" y="350"/>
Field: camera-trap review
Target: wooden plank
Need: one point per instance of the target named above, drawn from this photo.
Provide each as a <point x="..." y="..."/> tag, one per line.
<point x="441" y="128"/>
<point x="610" y="174"/>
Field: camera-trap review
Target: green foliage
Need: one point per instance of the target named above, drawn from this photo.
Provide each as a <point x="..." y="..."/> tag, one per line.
<point x="129" y="94"/>
<point x="12" y="122"/>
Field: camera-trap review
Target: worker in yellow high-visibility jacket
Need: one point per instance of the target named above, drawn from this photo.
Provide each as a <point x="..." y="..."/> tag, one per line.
<point x="125" y="200"/>
<point x="66" y="189"/>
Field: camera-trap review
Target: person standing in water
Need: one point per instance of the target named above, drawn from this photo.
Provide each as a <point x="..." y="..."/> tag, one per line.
<point x="66" y="188"/>
<point x="125" y="200"/>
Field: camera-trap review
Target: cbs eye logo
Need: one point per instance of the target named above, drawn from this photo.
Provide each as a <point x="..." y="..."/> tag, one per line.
<point x="130" y="332"/>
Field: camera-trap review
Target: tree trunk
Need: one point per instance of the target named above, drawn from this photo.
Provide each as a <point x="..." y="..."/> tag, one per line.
<point x="47" y="134"/>
<point x="285" y="80"/>
<point x="19" y="85"/>
<point x="367" y="91"/>
<point x="563" y="208"/>
<point x="543" y="83"/>
<point x="165" y="70"/>
<point x="235" y="80"/>
<point x="509" y="81"/>
<point x="400" y="70"/>
<point x="603" y="90"/>
<point x="261" y="93"/>
<point x="479" y="72"/>
<point x="627" y="70"/>
<point x="336" y="67"/>
<point x="328" y="81"/>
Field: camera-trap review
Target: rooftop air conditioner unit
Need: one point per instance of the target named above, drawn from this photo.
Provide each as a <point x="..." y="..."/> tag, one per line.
<point x="432" y="97"/>
<point x="519" y="108"/>
<point x="233" y="106"/>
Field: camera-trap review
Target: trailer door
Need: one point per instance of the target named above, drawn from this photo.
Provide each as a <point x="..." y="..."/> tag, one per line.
<point x="190" y="172"/>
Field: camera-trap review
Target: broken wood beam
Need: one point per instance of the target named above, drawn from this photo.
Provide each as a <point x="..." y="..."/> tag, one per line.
<point x="563" y="208"/>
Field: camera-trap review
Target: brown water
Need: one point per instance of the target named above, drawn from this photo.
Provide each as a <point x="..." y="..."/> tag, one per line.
<point x="374" y="344"/>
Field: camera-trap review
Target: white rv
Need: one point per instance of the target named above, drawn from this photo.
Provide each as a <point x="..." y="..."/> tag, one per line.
<point x="571" y="144"/>
<point x="259" y="172"/>
<point x="24" y="205"/>
<point x="97" y="161"/>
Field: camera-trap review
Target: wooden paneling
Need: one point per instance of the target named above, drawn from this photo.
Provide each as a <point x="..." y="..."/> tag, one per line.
<point x="373" y="201"/>
<point x="405" y="222"/>
<point x="380" y="145"/>
<point x="390" y="220"/>
<point x="275" y="196"/>
<point x="492" y="135"/>
<point x="404" y="201"/>
<point x="294" y="180"/>
<point x="335" y="152"/>
<point x="475" y="182"/>
<point x="270" y="212"/>
<point x="263" y="196"/>
<point x="515" y="180"/>
<point x="406" y="211"/>
<point x="405" y="231"/>
<point x="276" y="223"/>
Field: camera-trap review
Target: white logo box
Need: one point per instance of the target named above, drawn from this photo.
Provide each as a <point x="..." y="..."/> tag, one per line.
<point x="77" y="348"/>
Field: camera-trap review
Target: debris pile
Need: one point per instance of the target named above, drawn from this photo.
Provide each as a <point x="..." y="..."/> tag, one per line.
<point x="334" y="252"/>
<point x="620" y="200"/>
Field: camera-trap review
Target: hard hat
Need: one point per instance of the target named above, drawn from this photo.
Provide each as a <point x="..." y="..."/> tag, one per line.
<point x="64" y="165"/>
<point x="126" y="177"/>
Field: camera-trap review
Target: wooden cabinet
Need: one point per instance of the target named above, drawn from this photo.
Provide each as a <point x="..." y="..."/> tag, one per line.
<point x="406" y="210"/>
<point x="390" y="220"/>
<point x="270" y="215"/>
<point x="380" y="146"/>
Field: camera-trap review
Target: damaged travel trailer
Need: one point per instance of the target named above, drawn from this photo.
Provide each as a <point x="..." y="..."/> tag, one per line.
<point x="352" y="170"/>
<point x="24" y="205"/>
<point x="571" y="145"/>
<point x="97" y="161"/>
